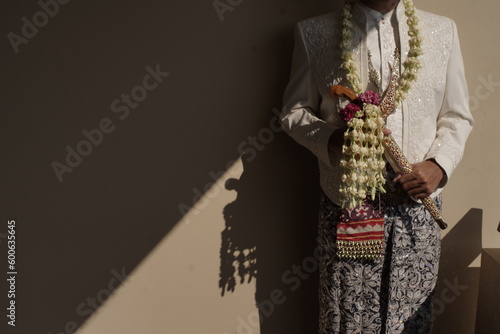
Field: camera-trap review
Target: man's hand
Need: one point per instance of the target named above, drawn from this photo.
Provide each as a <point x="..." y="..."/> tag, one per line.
<point x="424" y="179"/>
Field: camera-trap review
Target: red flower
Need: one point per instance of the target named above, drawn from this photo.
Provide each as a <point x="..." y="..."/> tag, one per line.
<point x="349" y="111"/>
<point x="369" y="97"/>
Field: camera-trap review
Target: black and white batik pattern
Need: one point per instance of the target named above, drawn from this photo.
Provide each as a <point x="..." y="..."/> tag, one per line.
<point x="388" y="296"/>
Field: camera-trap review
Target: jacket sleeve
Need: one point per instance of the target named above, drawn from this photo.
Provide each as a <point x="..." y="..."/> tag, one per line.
<point x="455" y="120"/>
<point x="300" y="115"/>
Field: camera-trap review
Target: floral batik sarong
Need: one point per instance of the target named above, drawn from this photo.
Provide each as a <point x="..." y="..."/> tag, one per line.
<point x="389" y="295"/>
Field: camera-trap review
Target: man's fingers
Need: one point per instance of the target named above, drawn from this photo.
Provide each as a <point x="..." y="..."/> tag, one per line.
<point x="386" y="131"/>
<point x="417" y="189"/>
<point x="411" y="186"/>
<point x="403" y="179"/>
<point x="422" y="181"/>
<point x="419" y="193"/>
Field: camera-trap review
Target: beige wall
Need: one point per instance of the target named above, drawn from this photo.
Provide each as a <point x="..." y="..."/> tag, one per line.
<point x="475" y="183"/>
<point x="203" y="233"/>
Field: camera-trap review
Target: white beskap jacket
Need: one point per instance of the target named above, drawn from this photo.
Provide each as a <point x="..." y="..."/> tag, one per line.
<point x="435" y="114"/>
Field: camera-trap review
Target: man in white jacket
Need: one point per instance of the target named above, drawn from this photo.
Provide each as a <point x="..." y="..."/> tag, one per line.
<point x="431" y="124"/>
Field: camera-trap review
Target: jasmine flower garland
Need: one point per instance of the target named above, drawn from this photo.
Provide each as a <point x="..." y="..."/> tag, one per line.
<point x="411" y="65"/>
<point x="362" y="152"/>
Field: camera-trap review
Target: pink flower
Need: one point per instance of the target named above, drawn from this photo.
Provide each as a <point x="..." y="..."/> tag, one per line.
<point x="349" y="111"/>
<point x="369" y="97"/>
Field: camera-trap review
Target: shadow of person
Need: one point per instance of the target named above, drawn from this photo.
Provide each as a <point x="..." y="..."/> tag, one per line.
<point x="270" y="230"/>
<point x="457" y="287"/>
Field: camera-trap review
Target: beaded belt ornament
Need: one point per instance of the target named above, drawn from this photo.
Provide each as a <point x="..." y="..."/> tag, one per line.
<point x="360" y="232"/>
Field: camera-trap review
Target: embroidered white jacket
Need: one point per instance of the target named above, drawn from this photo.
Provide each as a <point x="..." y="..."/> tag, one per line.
<point x="435" y="114"/>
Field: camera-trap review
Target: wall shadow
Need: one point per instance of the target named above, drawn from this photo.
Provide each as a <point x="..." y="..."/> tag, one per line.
<point x="457" y="289"/>
<point x="124" y="197"/>
<point x="487" y="319"/>
<point x="270" y="230"/>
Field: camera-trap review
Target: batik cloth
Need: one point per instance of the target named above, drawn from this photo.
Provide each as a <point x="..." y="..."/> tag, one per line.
<point x="392" y="295"/>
